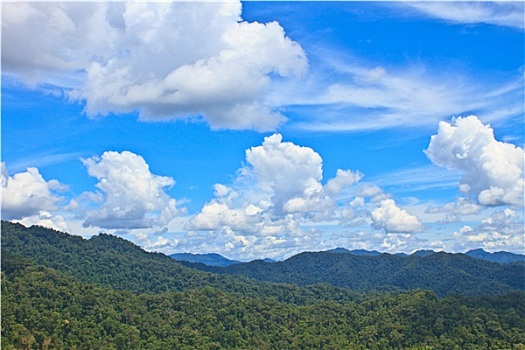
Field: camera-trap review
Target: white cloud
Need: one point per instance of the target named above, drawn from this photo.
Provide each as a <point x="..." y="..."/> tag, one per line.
<point x="492" y="170"/>
<point x="166" y="60"/>
<point x="490" y="12"/>
<point x="503" y="230"/>
<point x="365" y="97"/>
<point x="382" y="241"/>
<point x="343" y="179"/>
<point x="27" y="193"/>
<point x="46" y="219"/>
<point x="275" y="196"/>
<point x="133" y="197"/>
<point x="462" y="206"/>
<point x="392" y="219"/>
<point x="287" y="173"/>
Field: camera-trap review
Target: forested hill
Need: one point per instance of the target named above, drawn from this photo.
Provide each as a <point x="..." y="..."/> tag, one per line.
<point x="113" y="261"/>
<point x="441" y="272"/>
<point x="46" y="309"/>
<point x="117" y="263"/>
<point x="65" y="292"/>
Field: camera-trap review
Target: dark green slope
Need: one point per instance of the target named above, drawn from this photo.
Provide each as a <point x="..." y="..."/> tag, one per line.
<point x="120" y="264"/>
<point x="441" y="272"/>
<point x="46" y="309"/>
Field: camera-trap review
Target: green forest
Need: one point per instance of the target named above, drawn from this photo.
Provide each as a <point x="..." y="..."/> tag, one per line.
<point x="65" y="292"/>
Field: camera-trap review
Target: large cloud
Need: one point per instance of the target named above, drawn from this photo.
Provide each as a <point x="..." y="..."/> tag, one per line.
<point x="166" y="60"/>
<point x="132" y="196"/>
<point x="492" y="170"/>
<point x="274" y="197"/>
<point x="28" y="193"/>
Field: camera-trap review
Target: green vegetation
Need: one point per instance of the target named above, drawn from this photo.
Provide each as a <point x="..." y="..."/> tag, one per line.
<point x="52" y="298"/>
<point x="442" y="273"/>
<point x="121" y="265"/>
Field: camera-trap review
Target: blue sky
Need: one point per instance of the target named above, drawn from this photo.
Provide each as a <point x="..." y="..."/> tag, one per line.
<point x="277" y="127"/>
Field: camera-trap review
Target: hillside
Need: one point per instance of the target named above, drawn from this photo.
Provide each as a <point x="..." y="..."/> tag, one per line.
<point x="46" y="309"/>
<point x="64" y="292"/>
<point x="442" y="273"/>
<point x="119" y="264"/>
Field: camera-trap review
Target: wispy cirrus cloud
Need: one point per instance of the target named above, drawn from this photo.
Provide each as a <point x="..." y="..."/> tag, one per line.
<point x="501" y="13"/>
<point x="42" y="160"/>
<point x="367" y="97"/>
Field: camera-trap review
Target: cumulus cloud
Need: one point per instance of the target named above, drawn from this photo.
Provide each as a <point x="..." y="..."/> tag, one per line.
<point x="132" y="196"/>
<point x="392" y="219"/>
<point x="288" y="173"/>
<point x="492" y="170"/>
<point x="46" y="219"/>
<point x="27" y="193"/>
<point x="275" y="195"/>
<point x="278" y="201"/>
<point x="343" y="179"/>
<point x="155" y="58"/>
<point x="503" y="230"/>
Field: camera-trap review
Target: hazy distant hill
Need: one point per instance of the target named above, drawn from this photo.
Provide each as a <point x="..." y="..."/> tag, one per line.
<point x="441" y="272"/>
<point x="355" y="251"/>
<point x="211" y="259"/>
<point x="500" y="257"/>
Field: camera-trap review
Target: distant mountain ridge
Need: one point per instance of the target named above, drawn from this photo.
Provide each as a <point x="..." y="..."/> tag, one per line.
<point x="440" y="272"/>
<point x="499" y="257"/>
<point x="211" y="259"/>
<point x="114" y="261"/>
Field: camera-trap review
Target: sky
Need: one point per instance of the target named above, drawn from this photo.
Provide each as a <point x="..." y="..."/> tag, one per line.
<point x="264" y="129"/>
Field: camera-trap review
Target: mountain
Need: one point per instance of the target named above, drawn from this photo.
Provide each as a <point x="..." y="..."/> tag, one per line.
<point x="442" y="273"/>
<point x="65" y="292"/>
<point x="43" y="308"/>
<point x="423" y="252"/>
<point x="211" y="259"/>
<point x="499" y="257"/>
<point x="119" y="264"/>
<point x="355" y="251"/>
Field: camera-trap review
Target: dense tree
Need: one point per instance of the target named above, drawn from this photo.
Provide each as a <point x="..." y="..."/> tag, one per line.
<point x="441" y="272"/>
<point x="44" y="308"/>
<point x="115" y="262"/>
<point x="66" y="292"/>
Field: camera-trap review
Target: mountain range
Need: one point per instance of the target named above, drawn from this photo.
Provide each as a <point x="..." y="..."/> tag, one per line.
<point x="443" y="273"/>
<point x="61" y="291"/>
<point x="109" y="259"/>
<point x="214" y="259"/>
